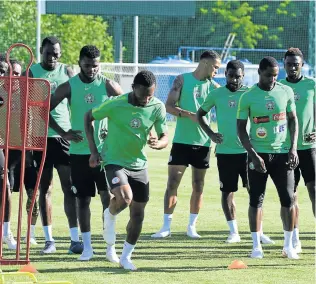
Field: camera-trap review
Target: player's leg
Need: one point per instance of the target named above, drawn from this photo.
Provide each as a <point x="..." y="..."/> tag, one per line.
<point x="45" y="194"/>
<point x="308" y="169"/>
<point x="7" y="235"/>
<point x="284" y="181"/>
<point x="178" y="162"/>
<point x="199" y="160"/>
<point x="105" y="196"/>
<point x="139" y="184"/>
<point x="228" y="170"/>
<point x="30" y="177"/>
<point x="296" y="238"/>
<point x="257" y="186"/>
<point x="117" y="178"/>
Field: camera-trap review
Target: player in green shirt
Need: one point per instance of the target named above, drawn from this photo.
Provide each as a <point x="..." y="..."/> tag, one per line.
<point x="57" y="154"/>
<point x="191" y="145"/>
<point x="84" y="91"/>
<point x="270" y="108"/>
<point x="304" y="93"/>
<point x="131" y="118"/>
<point x="231" y="155"/>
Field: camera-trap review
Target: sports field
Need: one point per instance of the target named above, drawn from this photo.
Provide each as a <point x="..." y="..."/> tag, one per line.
<point x="178" y="259"/>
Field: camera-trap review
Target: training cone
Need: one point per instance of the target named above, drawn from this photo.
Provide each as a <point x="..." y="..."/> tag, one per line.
<point x="28" y="268"/>
<point x="237" y="264"/>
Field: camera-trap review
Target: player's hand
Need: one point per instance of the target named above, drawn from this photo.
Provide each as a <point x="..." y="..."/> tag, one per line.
<point x="94" y="160"/>
<point x="292" y="160"/>
<point x="217" y="138"/>
<point x="153" y="141"/>
<point x="73" y="135"/>
<point x="311" y="138"/>
<point x="259" y="164"/>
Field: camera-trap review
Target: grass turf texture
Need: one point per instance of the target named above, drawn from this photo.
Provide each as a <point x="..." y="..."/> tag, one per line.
<point x="178" y="259"/>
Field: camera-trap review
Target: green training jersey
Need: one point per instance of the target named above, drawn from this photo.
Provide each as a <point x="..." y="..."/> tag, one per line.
<point x="226" y="104"/>
<point x="84" y="97"/>
<point x="56" y="77"/>
<point x="193" y="94"/>
<point x="305" y="99"/>
<point x="129" y="127"/>
<point x="267" y="111"/>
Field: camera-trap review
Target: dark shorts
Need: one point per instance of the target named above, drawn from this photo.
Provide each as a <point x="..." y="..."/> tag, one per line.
<point x="138" y="181"/>
<point x="306" y="165"/>
<point x="57" y="153"/>
<point x="30" y="173"/>
<point x="85" y="180"/>
<point x="14" y="167"/>
<point x="230" y="167"/>
<point x="185" y="155"/>
<point x="282" y="177"/>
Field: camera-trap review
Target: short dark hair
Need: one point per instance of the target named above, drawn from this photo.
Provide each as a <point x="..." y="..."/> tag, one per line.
<point x="145" y="78"/>
<point x="15" y="61"/>
<point x="235" y="65"/>
<point x="294" y="51"/>
<point x="210" y="54"/>
<point x="90" y="51"/>
<point x="50" y="40"/>
<point x="268" y="61"/>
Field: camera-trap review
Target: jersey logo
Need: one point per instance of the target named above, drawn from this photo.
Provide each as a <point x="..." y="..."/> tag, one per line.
<point x="135" y="123"/>
<point x="280" y="128"/>
<point x="116" y="180"/>
<point x="279" y="116"/>
<point x="53" y="87"/>
<point x="103" y="133"/>
<point x="196" y="92"/>
<point x="232" y="103"/>
<point x="270" y="105"/>
<point x="261" y="119"/>
<point x="89" y="98"/>
<point x="297" y="96"/>
<point x="251" y="166"/>
<point x="261" y="132"/>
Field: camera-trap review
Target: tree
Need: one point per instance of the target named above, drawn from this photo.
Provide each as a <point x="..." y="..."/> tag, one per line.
<point x="18" y="24"/>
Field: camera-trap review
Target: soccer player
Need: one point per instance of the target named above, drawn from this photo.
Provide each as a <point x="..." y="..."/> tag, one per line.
<point x="84" y="91"/>
<point x="57" y="154"/>
<point x="7" y="234"/>
<point x="131" y="118"/>
<point x="231" y="155"/>
<point x="270" y="108"/>
<point x="304" y="94"/>
<point x="30" y="174"/>
<point x="191" y="145"/>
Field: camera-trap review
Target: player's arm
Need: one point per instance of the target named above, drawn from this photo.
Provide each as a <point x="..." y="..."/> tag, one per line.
<point x="113" y="89"/>
<point x="95" y="158"/>
<point x="173" y="99"/>
<point x="62" y="92"/>
<point x="242" y="119"/>
<point x="200" y="115"/>
<point x="97" y="113"/>
<point x="293" y="128"/>
<point x="161" y="129"/>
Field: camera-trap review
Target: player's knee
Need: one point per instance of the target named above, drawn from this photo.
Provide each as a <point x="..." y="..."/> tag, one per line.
<point x="173" y="184"/>
<point x="256" y="201"/>
<point x="287" y="200"/>
<point x="138" y="217"/>
<point x="198" y="186"/>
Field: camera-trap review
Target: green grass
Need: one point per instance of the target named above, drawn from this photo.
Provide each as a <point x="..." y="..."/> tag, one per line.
<point x="178" y="259"/>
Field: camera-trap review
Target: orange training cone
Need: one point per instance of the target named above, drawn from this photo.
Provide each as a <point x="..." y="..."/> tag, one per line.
<point x="237" y="264"/>
<point x="28" y="268"/>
